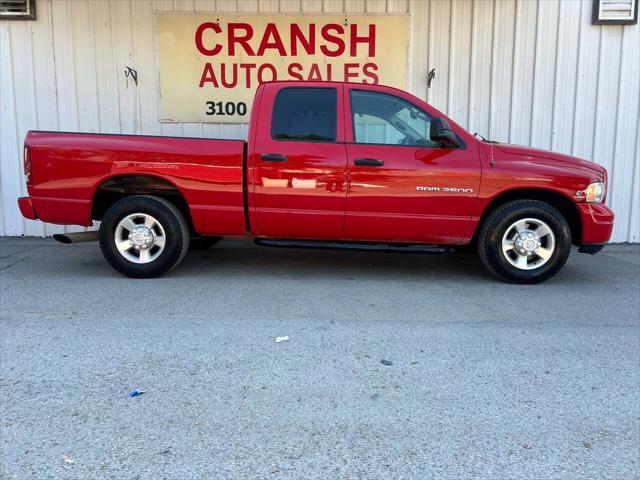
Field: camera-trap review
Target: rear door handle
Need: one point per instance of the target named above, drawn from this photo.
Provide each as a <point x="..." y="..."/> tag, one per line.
<point x="368" y="162"/>
<point x="273" y="157"/>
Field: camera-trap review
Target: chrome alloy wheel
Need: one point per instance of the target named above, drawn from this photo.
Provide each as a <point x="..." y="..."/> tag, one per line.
<point x="139" y="238"/>
<point x="528" y="243"/>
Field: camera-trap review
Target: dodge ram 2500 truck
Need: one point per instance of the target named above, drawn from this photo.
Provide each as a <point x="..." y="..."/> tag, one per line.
<point x="326" y="164"/>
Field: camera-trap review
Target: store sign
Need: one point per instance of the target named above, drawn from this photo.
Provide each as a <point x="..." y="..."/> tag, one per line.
<point x="211" y="64"/>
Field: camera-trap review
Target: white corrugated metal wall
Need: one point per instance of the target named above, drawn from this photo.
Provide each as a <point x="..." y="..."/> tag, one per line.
<point x="527" y="72"/>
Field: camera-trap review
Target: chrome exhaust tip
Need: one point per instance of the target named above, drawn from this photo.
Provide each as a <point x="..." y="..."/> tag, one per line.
<point x="79" y="237"/>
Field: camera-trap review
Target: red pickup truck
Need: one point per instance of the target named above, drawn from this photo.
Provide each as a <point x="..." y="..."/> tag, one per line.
<point x="326" y="164"/>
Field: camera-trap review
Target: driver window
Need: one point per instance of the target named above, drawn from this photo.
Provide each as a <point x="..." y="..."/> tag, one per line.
<point x="385" y="119"/>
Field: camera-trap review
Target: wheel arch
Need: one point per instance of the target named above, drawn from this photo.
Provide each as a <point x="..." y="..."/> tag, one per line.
<point x="116" y="187"/>
<point x="557" y="200"/>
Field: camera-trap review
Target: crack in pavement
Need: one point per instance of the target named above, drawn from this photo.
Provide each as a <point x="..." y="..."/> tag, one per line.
<point x="12" y="264"/>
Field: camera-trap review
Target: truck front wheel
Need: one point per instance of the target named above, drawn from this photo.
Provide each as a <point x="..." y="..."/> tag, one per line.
<point x="143" y="236"/>
<point x="524" y="241"/>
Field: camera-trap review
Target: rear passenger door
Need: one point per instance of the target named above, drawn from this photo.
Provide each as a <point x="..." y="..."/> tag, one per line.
<point x="299" y="163"/>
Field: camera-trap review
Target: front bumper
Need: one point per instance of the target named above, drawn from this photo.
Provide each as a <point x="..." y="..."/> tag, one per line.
<point x="26" y="208"/>
<point x="597" y="222"/>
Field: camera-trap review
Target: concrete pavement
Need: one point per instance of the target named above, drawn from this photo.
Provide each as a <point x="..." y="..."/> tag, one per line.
<point x="487" y="380"/>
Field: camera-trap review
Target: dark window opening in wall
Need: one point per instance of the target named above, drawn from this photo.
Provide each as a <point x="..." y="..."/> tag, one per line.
<point x="18" y="9"/>
<point x="615" y="12"/>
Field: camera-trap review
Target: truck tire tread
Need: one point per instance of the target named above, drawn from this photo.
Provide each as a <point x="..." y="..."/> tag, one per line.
<point x="494" y="226"/>
<point x="174" y="224"/>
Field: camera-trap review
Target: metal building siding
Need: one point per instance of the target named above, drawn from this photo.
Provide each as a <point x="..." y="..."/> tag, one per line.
<point x="527" y="72"/>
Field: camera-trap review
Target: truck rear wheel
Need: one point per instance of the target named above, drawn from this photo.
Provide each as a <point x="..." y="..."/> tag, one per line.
<point x="143" y="236"/>
<point x="524" y="241"/>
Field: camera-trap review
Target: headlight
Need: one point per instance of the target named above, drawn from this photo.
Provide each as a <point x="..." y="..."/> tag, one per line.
<point x="595" y="192"/>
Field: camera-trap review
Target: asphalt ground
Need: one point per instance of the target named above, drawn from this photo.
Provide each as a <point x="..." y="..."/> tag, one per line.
<point x="486" y="379"/>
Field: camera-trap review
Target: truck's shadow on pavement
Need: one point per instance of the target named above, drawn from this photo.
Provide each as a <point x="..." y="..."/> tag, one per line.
<point x="245" y="259"/>
<point x="238" y="259"/>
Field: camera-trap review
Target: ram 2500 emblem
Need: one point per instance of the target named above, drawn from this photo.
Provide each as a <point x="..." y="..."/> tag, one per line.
<point x="444" y="189"/>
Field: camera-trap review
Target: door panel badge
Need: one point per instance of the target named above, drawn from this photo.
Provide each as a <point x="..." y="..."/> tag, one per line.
<point x="422" y="188"/>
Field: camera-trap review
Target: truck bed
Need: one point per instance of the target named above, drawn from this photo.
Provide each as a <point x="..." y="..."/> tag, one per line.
<point x="69" y="168"/>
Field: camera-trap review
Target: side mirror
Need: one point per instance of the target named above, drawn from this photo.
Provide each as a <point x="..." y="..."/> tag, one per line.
<point x="441" y="132"/>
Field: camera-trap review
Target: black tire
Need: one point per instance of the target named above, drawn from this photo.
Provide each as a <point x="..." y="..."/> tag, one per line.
<point x="203" y="243"/>
<point x="495" y="227"/>
<point x="176" y="232"/>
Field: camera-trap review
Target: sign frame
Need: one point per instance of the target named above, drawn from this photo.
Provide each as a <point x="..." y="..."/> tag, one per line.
<point x="167" y="91"/>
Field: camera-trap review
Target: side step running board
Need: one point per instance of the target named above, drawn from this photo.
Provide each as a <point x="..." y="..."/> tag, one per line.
<point x="372" y="247"/>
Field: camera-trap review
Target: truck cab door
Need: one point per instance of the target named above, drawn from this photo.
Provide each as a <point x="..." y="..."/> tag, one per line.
<point x="403" y="187"/>
<point x="298" y="163"/>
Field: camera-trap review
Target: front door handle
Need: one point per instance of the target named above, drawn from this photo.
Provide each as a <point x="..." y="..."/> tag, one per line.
<point x="368" y="162"/>
<point x="273" y="157"/>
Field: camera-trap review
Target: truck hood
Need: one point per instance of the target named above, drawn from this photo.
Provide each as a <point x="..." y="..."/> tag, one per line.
<point x="555" y="158"/>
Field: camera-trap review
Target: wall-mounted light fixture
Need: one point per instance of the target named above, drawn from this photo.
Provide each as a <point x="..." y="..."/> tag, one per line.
<point x="615" y="12"/>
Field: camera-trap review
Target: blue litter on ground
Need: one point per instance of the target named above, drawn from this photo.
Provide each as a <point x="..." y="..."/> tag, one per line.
<point x="135" y="393"/>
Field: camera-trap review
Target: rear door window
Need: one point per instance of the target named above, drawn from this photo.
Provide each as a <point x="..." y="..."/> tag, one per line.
<point x="305" y="114"/>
